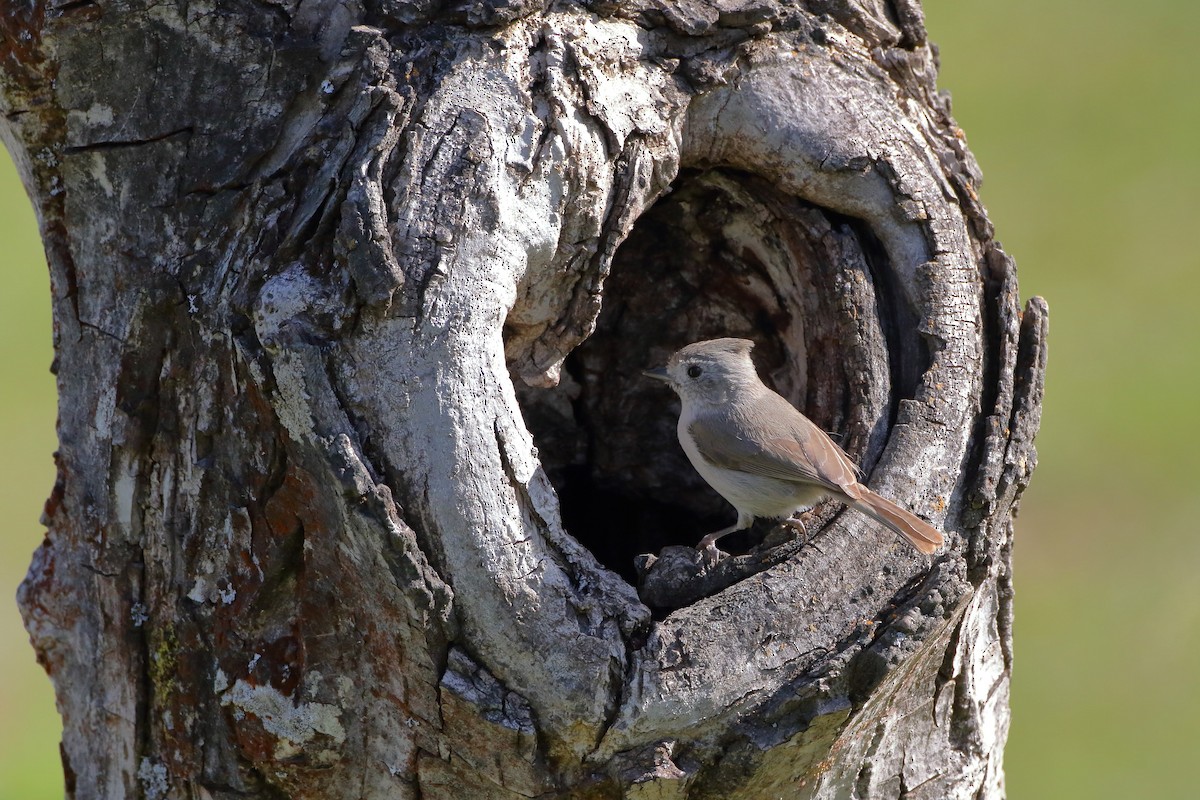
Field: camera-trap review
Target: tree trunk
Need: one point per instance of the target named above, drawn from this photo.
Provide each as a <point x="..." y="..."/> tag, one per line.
<point x="324" y="273"/>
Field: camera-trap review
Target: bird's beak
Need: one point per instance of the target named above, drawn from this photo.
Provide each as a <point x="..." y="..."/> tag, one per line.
<point x="658" y="374"/>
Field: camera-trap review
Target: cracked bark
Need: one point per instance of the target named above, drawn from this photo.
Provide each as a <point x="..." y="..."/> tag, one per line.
<point x="323" y="276"/>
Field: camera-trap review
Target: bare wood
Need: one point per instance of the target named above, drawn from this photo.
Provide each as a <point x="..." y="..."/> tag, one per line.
<point x="317" y="272"/>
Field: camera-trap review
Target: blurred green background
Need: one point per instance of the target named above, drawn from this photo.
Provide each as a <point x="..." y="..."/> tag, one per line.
<point x="29" y="726"/>
<point x="1085" y="119"/>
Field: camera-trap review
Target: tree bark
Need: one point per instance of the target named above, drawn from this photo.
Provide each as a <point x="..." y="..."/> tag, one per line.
<point x="351" y="298"/>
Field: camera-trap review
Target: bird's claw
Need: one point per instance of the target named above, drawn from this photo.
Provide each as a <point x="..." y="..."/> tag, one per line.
<point x="798" y="528"/>
<point x="797" y="525"/>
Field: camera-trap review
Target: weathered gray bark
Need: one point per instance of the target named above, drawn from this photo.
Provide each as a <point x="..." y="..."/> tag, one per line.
<point x="304" y="254"/>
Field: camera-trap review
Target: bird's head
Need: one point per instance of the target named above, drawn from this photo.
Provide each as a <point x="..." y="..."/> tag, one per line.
<point x="710" y="372"/>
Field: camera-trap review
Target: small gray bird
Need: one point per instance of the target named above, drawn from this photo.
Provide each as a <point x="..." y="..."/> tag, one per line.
<point x="759" y="453"/>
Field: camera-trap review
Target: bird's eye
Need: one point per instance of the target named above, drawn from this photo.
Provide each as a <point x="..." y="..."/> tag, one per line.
<point x="694" y="371"/>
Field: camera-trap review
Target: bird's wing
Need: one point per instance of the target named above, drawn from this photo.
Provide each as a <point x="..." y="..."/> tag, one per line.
<point x="781" y="443"/>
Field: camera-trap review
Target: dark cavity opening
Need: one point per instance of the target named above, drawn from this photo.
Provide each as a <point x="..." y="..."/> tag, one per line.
<point x="725" y="254"/>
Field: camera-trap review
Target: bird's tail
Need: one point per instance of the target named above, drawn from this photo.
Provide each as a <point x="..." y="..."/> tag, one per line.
<point x="918" y="532"/>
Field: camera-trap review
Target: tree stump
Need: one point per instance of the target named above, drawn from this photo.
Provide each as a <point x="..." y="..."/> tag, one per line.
<point x="357" y="472"/>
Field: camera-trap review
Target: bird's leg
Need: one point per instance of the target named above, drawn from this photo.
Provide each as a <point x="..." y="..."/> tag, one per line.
<point x="708" y="545"/>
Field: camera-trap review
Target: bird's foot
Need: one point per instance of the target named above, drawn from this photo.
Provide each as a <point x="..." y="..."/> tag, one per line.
<point x="709" y="554"/>
<point x="799" y="529"/>
<point x="797" y="525"/>
<point x="708" y="545"/>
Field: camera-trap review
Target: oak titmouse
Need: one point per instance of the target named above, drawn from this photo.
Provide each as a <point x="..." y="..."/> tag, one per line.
<point x="759" y="453"/>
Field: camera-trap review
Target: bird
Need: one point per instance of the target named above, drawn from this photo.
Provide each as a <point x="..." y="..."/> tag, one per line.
<point x="761" y="454"/>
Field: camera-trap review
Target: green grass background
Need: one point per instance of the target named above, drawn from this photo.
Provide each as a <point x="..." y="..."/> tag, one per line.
<point x="1085" y="118"/>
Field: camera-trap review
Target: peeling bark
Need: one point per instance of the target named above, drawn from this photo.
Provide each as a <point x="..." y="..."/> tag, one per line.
<point x="351" y="301"/>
